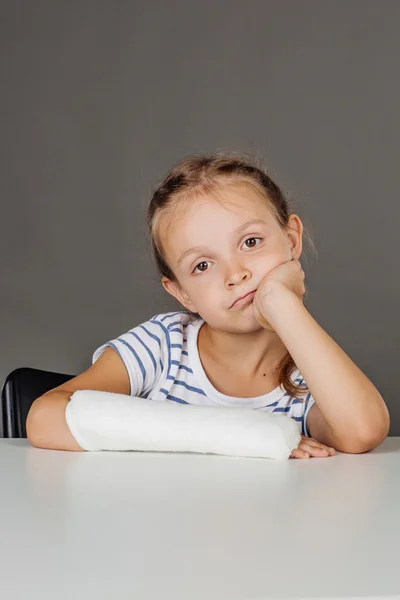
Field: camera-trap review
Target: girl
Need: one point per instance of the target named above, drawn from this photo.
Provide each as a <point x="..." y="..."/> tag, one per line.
<point x="228" y="248"/>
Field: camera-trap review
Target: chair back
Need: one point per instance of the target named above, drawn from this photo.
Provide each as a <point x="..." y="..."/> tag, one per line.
<point x="21" y="387"/>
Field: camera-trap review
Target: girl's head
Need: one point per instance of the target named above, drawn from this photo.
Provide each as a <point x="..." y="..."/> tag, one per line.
<point x="218" y="225"/>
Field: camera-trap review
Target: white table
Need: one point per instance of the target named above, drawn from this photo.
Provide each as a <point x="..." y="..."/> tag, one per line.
<point x="135" y="525"/>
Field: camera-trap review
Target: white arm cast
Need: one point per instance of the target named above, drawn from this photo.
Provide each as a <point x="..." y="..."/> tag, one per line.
<point x="108" y="421"/>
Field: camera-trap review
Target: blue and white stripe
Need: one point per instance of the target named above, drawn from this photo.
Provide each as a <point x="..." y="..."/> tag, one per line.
<point x="160" y="367"/>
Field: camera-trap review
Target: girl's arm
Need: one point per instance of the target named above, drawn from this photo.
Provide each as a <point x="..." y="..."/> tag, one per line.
<point x="349" y="414"/>
<point x="46" y="426"/>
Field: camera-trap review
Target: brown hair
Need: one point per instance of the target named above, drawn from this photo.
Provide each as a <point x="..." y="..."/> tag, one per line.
<point x="199" y="174"/>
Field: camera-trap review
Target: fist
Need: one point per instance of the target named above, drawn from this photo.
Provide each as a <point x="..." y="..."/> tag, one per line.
<point x="288" y="275"/>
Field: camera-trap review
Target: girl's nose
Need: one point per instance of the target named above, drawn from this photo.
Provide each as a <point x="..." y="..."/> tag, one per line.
<point x="237" y="274"/>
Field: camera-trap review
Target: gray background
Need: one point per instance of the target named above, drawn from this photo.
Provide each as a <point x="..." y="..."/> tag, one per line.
<point x="99" y="99"/>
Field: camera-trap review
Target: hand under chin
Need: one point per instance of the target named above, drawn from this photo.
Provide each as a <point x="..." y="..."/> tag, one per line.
<point x="261" y="319"/>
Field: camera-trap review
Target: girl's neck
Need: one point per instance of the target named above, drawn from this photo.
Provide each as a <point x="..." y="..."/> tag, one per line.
<point x="247" y="355"/>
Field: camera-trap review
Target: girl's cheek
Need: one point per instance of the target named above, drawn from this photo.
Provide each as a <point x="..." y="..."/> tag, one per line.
<point x="265" y="266"/>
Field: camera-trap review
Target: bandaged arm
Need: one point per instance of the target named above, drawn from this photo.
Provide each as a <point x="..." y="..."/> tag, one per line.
<point x="109" y="421"/>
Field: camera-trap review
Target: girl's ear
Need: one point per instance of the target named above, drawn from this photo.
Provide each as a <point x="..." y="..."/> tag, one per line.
<point x="173" y="288"/>
<point x="295" y="235"/>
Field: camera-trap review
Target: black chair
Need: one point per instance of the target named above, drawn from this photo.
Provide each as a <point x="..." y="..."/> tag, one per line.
<point x="21" y="387"/>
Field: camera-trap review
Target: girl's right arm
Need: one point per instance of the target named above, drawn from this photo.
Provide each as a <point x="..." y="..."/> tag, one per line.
<point x="46" y="426"/>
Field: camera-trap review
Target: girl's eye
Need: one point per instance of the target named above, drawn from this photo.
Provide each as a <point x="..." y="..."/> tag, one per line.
<point x="204" y="262"/>
<point x="251" y="238"/>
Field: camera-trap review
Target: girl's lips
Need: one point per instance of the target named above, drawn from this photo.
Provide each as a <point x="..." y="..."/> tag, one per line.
<point x="244" y="301"/>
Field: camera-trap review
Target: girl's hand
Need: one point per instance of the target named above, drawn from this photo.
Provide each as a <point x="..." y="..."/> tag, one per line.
<point x="309" y="447"/>
<point x="289" y="275"/>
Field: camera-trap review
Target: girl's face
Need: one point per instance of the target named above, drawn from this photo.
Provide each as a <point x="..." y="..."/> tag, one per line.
<point x="218" y="253"/>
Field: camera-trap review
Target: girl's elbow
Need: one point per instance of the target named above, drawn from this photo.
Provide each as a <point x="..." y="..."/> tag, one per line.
<point x="46" y="426"/>
<point x="36" y="427"/>
<point x="365" y="443"/>
<point x="371" y="437"/>
<point x="32" y="424"/>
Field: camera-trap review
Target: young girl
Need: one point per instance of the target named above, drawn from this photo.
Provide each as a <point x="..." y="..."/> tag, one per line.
<point x="228" y="248"/>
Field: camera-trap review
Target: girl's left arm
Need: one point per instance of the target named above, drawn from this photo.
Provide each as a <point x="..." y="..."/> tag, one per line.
<point x="349" y="413"/>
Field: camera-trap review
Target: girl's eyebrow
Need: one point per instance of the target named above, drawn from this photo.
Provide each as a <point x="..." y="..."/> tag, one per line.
<point x="238" y="230"/>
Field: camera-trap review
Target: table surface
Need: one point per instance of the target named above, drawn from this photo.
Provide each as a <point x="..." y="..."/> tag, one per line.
<point x="139" y="525"/>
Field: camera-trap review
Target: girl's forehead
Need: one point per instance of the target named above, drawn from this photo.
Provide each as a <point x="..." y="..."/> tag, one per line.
<point x="235" y="204"/>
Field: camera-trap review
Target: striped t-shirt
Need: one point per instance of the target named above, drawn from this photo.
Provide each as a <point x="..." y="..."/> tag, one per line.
<point x="163" y="363"/>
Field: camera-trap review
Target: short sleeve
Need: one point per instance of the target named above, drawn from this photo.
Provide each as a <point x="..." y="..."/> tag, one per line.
<point x="297" y="408"/>
<point x="308" y="403"/>
<point x="140" y="349"/>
